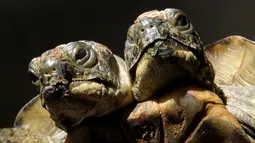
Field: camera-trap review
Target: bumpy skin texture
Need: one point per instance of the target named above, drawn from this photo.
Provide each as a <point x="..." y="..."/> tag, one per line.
<point x="79" y="80"/>
<point x="186" y="114"/>
<point x="162" y="48"/>
<point x="178" y="116"/>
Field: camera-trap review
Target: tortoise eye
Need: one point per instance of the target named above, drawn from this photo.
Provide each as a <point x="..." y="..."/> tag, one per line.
<point x="84" y="55"/>
<point x="182" y="21"/>
<point x="81" y="54"/>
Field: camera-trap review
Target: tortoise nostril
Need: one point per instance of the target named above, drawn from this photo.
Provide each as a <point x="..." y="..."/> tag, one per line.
<point x="50" y="67"/>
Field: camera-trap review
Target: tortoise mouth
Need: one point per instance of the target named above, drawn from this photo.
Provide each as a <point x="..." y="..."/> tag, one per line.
<point x="61" y="89"/>
<point x="156" y="43"/>
<point x="53" y="92"/>
<point x="76" y="82"/>
<point x="69" y="104"/>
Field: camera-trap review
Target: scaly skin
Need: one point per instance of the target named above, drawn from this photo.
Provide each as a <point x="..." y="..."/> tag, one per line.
<point x="172" y="117"/>
<point x="162" y="48"/>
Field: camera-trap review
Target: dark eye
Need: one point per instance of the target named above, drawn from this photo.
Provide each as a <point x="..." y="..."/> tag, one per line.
<point x="33" y="77"/>
<point x="182" y="21"/>
<point x="81" y="54"/>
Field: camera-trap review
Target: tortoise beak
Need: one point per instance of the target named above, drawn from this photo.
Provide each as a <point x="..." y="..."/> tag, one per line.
<point x="55" y="80"/>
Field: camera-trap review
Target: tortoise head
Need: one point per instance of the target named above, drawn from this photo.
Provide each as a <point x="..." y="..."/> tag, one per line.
<point x="79" y="80"/>
<point x="152" y="28"/>
<point x="162" y="48"/>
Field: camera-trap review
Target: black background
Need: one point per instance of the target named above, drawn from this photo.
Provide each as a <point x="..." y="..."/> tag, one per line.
<point x="29" y="27"/>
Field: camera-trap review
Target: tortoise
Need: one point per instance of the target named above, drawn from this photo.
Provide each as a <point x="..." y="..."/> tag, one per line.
<point x="145" y="117"/>
<point x="162" y="48"/>
<point x="176" y="116"/>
